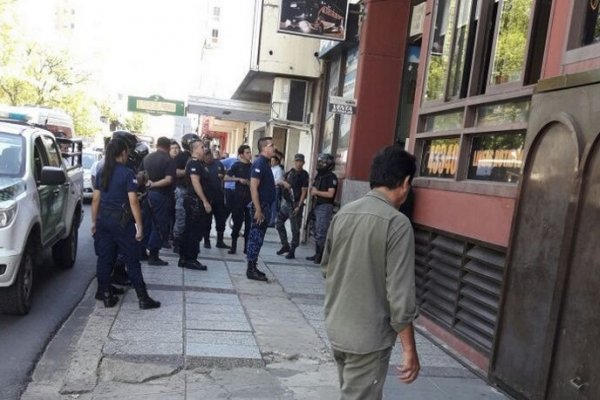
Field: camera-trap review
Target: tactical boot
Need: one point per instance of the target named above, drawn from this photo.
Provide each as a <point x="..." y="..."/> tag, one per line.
<point x="319" y="255"/>
<point x="113" y="290"/>
<point x="119" y="275"/>
<point x="284" y="249"/>
<point x="314" y="256"/>
<point x="253" y="273"/>
<point x="220" y="243"/>
<point x="207" y="243"/>
<point x="154" y="260"/>
<point x="109" y="299"/>
<point x="291" y="254"/>
<point x="233" y="248"/>
<point x="146" y="302"/>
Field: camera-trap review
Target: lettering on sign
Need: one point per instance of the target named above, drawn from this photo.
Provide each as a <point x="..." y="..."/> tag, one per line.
<point x="158" y="106"/>
<point x="443" y="159"/>
<point x="342" y="109"/>
<point x="509" y="158"/>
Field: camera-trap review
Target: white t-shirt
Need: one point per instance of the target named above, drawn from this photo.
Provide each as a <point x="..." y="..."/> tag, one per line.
<point x="277" y="173"/>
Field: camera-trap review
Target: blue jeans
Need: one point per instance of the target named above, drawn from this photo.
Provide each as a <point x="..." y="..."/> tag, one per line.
<point x="155" y="212"/>
<point x="112" y="239"/>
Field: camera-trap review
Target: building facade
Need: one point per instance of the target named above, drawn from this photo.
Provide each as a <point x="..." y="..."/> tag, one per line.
<point x="499" y="99"/>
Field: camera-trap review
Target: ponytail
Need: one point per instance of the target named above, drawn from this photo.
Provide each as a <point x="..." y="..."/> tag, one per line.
<point x="113" y="150"/>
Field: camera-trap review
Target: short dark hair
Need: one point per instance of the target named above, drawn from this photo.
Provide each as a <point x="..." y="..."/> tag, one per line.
<point x="243" y="148"/>
<point x="391" y="166"/>
<point x="261" y="142"/>
<point x="164" y="143"/>
<point x="195" y="144"/>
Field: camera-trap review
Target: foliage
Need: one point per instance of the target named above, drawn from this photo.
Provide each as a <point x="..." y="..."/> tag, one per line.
<point x="135" y="122"/>
<point x="35" y="75"/>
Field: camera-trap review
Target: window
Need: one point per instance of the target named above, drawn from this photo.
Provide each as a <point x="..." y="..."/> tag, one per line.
<point x="585" y="25"/>
<point x="451" y="49"/>
<point x="510" y="50"/>
<point x="215" y="35"/>
<point x="440" y="158"/>
<point x="216" y="13"/>
<point x="51" y="151"/>
<point x="497" y="157"/>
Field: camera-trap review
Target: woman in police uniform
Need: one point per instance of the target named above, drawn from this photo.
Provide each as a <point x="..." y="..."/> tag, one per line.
<point x="115" y="207"/>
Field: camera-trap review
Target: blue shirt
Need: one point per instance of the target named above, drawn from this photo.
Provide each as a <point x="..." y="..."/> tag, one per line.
<point x="121" y="183"/>
<point x="261" y="169"/>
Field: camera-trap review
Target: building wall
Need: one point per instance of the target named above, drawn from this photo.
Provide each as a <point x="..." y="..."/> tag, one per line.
<point x="283" y="53"/>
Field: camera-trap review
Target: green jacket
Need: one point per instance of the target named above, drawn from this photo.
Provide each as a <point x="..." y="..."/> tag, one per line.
<point x="369" y="264"/>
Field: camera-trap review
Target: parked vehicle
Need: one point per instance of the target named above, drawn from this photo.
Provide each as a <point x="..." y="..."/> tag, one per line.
<point x="41" y="182"/>
<point x="89" y="160"/>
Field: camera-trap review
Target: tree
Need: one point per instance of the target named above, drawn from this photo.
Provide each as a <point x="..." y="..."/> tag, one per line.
<point x="136" y="122"/>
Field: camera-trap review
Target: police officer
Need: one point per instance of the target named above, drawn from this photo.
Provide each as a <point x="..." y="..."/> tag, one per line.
<point x="239" y="174"/>
<point x="181" y="188"/>
<point x="160" y="169"/>
<point x="216" y="196"/>
<point x="115" y="208"/>
<point x="262" y="191"/>
<point x="197" y="207"/>
<point x="323" y="196"/>
<point x="294" y="189"/>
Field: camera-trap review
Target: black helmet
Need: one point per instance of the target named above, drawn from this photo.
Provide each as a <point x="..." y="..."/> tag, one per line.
<point x="140" y="151"/>
<point x="187" y="139"/>
<point x="128" y="137"/>
<point x="325" y="162"/>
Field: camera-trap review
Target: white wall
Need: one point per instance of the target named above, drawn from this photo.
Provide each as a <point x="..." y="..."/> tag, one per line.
<point x="291" y="54"/>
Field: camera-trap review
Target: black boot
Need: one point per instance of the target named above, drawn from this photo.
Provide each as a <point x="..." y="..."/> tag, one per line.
<point x="319" y="255"/>
<point x="176" y="245"/>
<point x="146" y="302"/>
<point x="207" y="243"/>
<point x="284" y="249"/>
<point x="253" y="273"/>
<point x="291" y="254"/>
<point x="143" y="254"/>
<point x="220" y="243"/>
<point x="314" y="256"/>
<point x="154" y="260"/>
<point x="119" y="275"/>
<point x="108" y="298"/>
<point x="233" y="247"/>
<point x="113" y="290"/>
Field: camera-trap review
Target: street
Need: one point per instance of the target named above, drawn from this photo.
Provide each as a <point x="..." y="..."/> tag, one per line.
<point x="56" y="293"/>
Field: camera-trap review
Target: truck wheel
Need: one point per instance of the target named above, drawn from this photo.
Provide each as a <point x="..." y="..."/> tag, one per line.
<point x="16" y="299"/>
<point x="64" y="252"/>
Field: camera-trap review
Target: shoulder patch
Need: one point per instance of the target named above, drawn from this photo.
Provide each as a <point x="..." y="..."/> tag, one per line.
<point x="335" y="181"/>
<point x="193" y="169"/>
<point x="257" y="170"/>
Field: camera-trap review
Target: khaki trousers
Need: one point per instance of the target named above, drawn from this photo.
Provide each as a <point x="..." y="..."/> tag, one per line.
<point x="362" y="375"/>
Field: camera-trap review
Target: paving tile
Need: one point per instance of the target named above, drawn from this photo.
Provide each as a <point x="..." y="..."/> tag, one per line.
<point x="217" y="325"/>
<point x="220" y="338"/>
<point x="128" y="347"/>
<point x="220" y="350"/>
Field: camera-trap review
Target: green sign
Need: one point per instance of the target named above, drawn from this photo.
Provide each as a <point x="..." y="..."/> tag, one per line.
<point x="155" y="105"/>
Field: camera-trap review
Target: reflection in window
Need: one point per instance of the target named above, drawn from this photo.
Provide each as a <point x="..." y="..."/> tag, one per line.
<point x="440" y="158"/>
<point x="509" y="56"/>
<point x="444" y="122"/>
<point x="441" y="45"/>
<point x="591" y="25"/>
<point x="504" y="113"/>
<point x="497" y="158"/>
<point x="463" y="47"/>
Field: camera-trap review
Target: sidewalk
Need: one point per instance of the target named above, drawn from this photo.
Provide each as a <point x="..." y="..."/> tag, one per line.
<point x="219" y="335"/>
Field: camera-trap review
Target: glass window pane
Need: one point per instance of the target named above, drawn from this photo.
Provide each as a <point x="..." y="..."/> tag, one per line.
<point x="444" y="122"/>
<point x="439" y="54"/>
<point x="505" y="113"/>
<point x="497" y="158"/>
<point x="440" y="158"/>
<point x="591" y="25"/>
<point x="461" y="48"/>
<point x="509" y="56"/>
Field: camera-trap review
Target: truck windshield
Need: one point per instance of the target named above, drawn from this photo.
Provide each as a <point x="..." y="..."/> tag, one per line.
<point x="11" y="155"/>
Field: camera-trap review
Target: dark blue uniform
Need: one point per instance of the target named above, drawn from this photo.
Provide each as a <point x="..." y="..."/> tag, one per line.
<point x="298" y="180"/>
<point x="112" y="235"/>
<point x="216" y="197"/>
<point x="240" y="213"/>
<point x="261" y="169"/>
<point x="323" y="207"/>
<point x="195" y="225"/>
<point x="156" y="208"/>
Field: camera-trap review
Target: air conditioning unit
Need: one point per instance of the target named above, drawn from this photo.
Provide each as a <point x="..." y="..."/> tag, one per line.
<point x="290" y="99"/>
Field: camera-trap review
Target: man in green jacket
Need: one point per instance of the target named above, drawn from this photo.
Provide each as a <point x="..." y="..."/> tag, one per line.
<point x="368" y="263"/>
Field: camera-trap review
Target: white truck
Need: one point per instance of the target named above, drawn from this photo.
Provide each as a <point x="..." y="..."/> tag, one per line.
<point x="41" y="183"/>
